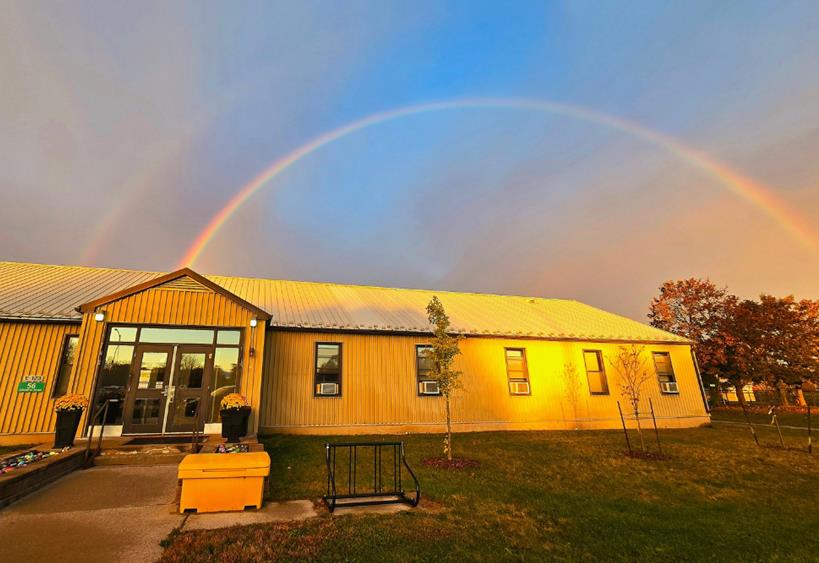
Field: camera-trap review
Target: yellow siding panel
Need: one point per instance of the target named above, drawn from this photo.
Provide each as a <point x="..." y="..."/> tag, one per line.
<point x="379" y="387"/>
<point x="31" y="348"/>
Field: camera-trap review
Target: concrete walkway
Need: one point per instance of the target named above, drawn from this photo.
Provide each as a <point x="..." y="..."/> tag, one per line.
<point x="115" y="513"/>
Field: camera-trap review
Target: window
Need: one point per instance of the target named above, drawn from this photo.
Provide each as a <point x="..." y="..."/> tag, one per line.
<point x="595" y="372"/>
<point x="160" y="335"/>
<point x="123" y="334"/>
<point x="423" y="367"/>
<point x="665" y="372"/>
<point x="113" y="380"/>
<point x="67" y="356"/>
<point x="226" y="370"/>
<point x="228" y="337"/>
<point x="517" y="371"/>
<point x="328" y="369"/>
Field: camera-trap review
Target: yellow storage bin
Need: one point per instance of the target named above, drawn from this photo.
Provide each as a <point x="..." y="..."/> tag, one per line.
<point x="223" y="482"/>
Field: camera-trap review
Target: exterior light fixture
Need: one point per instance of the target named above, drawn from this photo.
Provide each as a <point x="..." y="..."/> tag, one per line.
<point x="253" y="322"/>
<point x="99" y="316"/>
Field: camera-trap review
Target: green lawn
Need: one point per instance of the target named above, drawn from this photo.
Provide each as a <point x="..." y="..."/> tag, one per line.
<point x="552" y="495"/>
<point x="759" y="415"/>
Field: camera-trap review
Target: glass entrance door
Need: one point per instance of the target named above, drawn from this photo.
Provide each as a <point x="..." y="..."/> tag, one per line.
<point x="147" y="390"/>
<point x="167" y="389"/>
<point x="191" y="380"/>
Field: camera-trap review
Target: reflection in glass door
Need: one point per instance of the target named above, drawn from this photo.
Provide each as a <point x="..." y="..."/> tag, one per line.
<point x="191" y="380"/>
<point x="145" y="406"/>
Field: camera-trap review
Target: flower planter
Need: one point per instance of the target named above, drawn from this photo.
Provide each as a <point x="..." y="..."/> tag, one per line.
<point x="234" y="423"/>
<point x="66" y="429"/>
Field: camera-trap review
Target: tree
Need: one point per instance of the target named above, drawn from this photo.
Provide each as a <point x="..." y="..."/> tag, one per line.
<point x="630" y="364"/>
<point x="698" y="310"/>
<point x="571" y="381"/>
<point x="785" y="342"/>
<point x="739" y="362"/>
<point x="444" y="350"/>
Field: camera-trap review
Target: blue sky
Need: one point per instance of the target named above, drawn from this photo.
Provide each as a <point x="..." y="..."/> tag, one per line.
<point x="128" y="125"/>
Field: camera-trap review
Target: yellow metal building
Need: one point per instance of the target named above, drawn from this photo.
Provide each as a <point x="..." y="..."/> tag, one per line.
<point x="162" y="349"/>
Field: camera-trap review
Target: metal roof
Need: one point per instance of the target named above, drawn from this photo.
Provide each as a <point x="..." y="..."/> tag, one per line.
<point x="37" y="291"/>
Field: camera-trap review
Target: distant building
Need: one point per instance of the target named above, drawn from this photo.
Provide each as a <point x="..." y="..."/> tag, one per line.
<point x="312" y="358"/>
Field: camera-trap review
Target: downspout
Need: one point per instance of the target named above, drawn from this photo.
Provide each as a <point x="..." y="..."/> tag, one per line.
<point x="699" y="379"/>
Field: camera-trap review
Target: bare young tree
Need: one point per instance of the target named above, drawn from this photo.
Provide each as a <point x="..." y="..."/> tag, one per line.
<point x="444" y="349"/>
<point x="630" y="364"/>
<point x="571" y="384"/>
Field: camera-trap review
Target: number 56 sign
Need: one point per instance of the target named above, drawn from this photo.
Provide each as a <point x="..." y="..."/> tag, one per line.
<point x="31" y="384"/>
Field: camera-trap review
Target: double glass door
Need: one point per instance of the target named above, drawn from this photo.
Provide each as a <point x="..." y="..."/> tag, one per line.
<point x="168" y="388"/>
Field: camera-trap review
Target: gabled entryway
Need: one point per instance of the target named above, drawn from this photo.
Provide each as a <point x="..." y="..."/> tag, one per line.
<point x="165" y="352"/>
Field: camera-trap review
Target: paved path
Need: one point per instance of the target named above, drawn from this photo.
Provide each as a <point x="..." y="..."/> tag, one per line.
<point x="113" y="513"/>
<point x="100" y="514"/>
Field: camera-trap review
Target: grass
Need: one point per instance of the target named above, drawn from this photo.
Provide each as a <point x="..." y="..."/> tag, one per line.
<point x="759" y="415"/>
<point x="551" y="495"/>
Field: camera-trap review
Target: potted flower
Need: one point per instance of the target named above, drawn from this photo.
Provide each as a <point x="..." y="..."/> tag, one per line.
<point x="69" y="410"/>
<point x="234" y="412"/>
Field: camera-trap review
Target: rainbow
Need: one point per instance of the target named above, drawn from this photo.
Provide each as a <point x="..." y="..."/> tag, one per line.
<point x="747" y="189"/>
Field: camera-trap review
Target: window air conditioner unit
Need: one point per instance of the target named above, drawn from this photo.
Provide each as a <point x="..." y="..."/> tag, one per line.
<point x="519" y="387"/>
<point x="669" y="387"/>
<point x="429" y="388"/>
<point x="328" y="388"/>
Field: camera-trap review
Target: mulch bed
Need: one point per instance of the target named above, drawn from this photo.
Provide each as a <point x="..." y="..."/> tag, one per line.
<point x="457" y="463"/>
<point x="24" y="459"/>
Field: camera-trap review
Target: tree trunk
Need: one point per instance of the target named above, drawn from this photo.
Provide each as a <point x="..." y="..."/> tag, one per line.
<point x="783" y="393"/>
<point x="448" y="432"/>
<point x="800" y="397"/>
<point x="639" y="428"/>
<point x="716" y="394"/>
<point x="740" y="393"/>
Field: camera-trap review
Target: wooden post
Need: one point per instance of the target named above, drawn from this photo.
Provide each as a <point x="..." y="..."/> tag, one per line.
<point x="625" y="431"/>
<point x="810" y="445"/>
<point x="656" y="432"/>
<point x="748" y="420"/>
<point x="778" y="429"/>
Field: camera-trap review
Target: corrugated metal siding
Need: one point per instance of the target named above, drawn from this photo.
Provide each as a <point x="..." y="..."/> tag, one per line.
<point x="379" y="386"/>
<point x="29" y="349"/>
<point x="32" y="290"/>
<point x="173" y="307"/>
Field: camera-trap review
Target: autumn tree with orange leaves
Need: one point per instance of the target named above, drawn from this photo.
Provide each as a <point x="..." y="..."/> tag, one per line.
<point x="774" y="340"/>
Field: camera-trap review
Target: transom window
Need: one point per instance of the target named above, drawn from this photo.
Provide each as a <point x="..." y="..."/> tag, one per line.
<point x="665" y="372"/>
<point x="164" y="335"/>
<point x="67" y="356"/>
<point x="423" y="367"/>
<point x="596" y="372"/>
<point x="328" y="369"/>
<point x="517" y="372"/>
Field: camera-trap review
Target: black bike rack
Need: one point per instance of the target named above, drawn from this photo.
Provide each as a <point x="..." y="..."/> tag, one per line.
<point x="389" y="491"/>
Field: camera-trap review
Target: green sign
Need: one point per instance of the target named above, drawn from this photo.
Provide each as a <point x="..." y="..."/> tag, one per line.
<point x="31" y="384"/>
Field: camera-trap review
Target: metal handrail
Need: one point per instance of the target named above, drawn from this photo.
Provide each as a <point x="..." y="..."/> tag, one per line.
<point x="378" y="494"/>
<point x="104" y="410"/>
<point x="195" y="445"/>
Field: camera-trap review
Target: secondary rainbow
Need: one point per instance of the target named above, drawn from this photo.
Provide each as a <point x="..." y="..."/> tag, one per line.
<point x="756" y="194"/>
